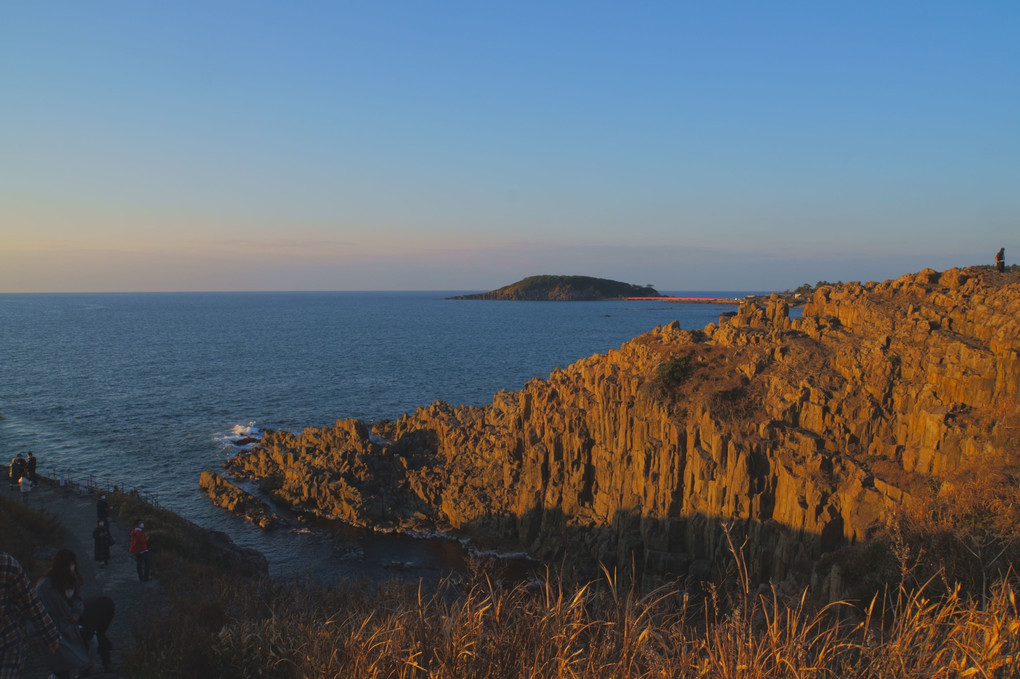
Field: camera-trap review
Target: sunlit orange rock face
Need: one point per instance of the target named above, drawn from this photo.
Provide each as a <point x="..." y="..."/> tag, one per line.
<point x="800" y="435"/>
<point x="233" y="499"/>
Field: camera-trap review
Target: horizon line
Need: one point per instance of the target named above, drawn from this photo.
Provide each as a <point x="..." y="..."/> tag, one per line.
<point x="318" y="291"/>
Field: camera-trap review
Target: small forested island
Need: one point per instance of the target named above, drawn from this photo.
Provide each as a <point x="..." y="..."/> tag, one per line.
<point x="564" y="289"/>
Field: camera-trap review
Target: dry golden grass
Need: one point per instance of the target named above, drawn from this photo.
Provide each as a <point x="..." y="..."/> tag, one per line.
<point x="225" y="625"/>
<point x="965" y="531"/>
<point x="595" y="630"/>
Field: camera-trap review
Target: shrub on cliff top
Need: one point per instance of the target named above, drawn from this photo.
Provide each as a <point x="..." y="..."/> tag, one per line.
<point x="672" y="374"/>
<point x="733" y="403"/>
<point x="967" y="530"/>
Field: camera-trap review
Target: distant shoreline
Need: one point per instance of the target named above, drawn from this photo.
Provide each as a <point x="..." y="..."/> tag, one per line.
<point x="688" y="300"/>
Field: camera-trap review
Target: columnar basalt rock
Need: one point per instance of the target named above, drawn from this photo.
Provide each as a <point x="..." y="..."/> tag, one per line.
<point x="800" y="435"/>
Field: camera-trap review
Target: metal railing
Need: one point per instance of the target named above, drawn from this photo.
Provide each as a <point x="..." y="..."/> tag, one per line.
<point x="92" y="484"/>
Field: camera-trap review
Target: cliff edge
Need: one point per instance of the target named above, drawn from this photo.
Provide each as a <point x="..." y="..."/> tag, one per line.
<point x="801" y="436"/>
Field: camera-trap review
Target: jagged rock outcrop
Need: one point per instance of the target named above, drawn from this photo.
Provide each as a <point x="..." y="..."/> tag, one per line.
<point x="800" y="435"/>
<point x="225" y="494"/>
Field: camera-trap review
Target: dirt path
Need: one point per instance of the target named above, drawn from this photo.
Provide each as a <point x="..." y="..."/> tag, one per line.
<point x="135" y="601"/>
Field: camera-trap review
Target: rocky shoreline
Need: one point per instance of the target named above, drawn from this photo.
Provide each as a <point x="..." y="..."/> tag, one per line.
<point x="229" y="496"/>
<point x="802" y="436"/>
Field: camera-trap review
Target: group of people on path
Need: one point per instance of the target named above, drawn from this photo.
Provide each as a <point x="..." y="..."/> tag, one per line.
<point x="138" y="546"/>
<point x="22" y="474"/>
<point x="72" y="627"/>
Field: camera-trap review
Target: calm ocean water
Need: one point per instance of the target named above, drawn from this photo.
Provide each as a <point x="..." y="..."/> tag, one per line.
<point x="143" y="389"/>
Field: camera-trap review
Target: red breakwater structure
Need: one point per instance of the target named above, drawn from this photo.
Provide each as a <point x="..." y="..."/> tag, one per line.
<point x="798" y="436"/>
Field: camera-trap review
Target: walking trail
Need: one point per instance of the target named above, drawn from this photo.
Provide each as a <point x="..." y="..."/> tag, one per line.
<point x="137" y="603"/>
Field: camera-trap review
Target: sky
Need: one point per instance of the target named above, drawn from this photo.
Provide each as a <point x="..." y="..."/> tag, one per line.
<point x="413" y="145"/>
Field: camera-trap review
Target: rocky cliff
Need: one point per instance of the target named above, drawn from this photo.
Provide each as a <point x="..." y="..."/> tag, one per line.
<point x="799" y="435"/>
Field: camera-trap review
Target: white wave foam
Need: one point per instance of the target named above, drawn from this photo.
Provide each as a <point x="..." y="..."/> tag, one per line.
<point x="245" y="429"/>
<point x="241" y="436"/>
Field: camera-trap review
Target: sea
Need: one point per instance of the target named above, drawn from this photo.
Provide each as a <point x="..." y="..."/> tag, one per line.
<point x="147" y="390"/>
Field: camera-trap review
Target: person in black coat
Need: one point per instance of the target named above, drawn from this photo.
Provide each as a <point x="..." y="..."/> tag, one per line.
<point x="103" y="510"/>
<point x="17" y="470"/>
<point x="30" y="465"/>
<point x="101" y="536"/>
<point x="95" y="620"/>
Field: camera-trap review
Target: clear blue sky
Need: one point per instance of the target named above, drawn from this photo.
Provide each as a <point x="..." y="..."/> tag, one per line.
<point x="438" y="145"/>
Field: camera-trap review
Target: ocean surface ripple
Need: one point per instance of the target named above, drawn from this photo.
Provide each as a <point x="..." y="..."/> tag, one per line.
<point x="147" y="390"/>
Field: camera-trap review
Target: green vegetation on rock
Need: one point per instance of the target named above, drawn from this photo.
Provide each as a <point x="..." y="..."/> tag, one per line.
<point x="565" y="288"/>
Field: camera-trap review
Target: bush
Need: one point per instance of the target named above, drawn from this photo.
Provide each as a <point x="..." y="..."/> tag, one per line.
<point x="23" y="532"/>
<point x="671" y="375"/>
<point x="967" y="531"/>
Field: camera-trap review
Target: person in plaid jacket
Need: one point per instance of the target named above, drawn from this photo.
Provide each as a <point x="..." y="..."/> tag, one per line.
<point x="20" y="605"/>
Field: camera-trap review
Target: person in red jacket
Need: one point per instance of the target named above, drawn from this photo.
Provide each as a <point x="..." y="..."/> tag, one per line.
<point x="139" y="547"/>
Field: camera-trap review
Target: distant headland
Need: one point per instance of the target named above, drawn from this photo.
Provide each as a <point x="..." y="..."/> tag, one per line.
<point x="565" y="288"/>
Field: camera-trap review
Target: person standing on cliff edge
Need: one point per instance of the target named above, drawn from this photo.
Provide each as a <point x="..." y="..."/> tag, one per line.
<point x="17" y="469"/>
<point x="1000" y="260"/>
<point x="30" y="465"/>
